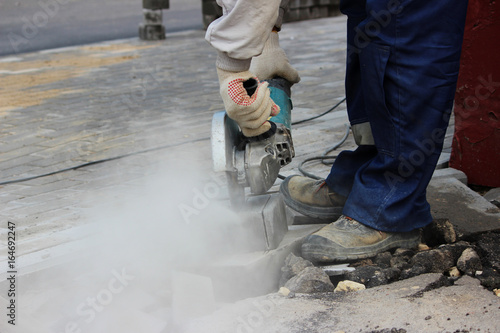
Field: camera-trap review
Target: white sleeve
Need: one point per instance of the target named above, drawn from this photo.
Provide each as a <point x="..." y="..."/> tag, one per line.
<point x="242" y="31"/>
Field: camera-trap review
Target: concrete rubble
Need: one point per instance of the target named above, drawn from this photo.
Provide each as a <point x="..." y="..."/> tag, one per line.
<point x="310" y="280"/>
<point x="421" y="304"/>
<point x="493" y="196"/>
<point x="469" y="262"/>
<point x="346" y="286"/>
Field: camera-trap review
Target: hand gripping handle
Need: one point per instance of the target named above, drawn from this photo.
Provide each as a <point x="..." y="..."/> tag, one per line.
<point x="250" y="86"/>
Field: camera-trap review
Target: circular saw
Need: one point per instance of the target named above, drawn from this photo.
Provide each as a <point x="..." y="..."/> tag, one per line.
<point x="253" y="162"/>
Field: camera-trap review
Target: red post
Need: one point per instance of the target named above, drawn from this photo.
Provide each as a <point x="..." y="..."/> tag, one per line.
<point x="476" y="142"/>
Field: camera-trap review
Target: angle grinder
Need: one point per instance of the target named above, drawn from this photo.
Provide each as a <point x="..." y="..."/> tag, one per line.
<point x="253" y="162"/>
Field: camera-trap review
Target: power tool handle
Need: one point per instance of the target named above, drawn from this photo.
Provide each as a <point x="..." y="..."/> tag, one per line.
<point x="250" y="86"/>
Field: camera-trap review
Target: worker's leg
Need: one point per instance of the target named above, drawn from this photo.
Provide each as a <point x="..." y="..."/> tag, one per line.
<point x="408" y="67"/>
<point x="311" y="197"/>
<point x="408" y="59"/>
<point x="348" y="163"/>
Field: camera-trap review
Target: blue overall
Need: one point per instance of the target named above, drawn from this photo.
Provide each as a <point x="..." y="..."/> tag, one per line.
<point x="402" y="68"/>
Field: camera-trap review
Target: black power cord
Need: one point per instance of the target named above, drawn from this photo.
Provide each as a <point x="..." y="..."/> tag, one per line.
<point x="319" y="115"/>
<point x="323" y="158"/>
<point x="20" y="180"/>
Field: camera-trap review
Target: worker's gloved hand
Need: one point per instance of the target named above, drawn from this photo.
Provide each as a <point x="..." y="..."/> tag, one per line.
<point x="250" y="112"/>
<point x="273" y="62"/>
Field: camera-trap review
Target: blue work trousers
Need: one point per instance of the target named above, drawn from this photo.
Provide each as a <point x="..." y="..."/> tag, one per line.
<point x="402" y="68"/>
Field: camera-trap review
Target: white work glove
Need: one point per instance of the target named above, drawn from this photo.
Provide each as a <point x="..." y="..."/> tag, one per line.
<point x="250" y="112"/>
<point x="273" y="62"/>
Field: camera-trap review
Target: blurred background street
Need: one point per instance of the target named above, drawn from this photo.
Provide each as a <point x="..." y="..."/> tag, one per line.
<point x="32" y="25"/>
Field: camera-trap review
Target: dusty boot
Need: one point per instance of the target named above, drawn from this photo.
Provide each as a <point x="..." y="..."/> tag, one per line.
<point x="347" y="239"/>
<point x="312" y="197"/>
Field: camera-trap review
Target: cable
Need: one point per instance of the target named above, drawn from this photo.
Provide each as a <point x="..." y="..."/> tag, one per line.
<point x="320" y="115"/>
<point x="324" y="156"/>
<point x="20" y="180"/>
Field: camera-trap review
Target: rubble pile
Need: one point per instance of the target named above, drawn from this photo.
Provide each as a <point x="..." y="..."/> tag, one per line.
<point x="440" y="252"/>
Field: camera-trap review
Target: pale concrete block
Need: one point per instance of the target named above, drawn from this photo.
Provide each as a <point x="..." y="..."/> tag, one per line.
<point x="493" y="196"/>
<point x="445" y="173"/>
<point x="469" y="212"/>
<point x="192" y="296"/>
<point x="239" y="276"/>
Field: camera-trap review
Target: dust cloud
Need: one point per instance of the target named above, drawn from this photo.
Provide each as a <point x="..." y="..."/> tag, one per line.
<point x="148" y="264"/>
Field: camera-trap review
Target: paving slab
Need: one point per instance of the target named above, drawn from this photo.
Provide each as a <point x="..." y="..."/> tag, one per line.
<point x="446" y="173"/>
<point x="468" y="211"/>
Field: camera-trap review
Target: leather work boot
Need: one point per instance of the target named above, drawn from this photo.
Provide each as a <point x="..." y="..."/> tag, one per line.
<point x="312" y="197"/>
<point x="346" y="239"/>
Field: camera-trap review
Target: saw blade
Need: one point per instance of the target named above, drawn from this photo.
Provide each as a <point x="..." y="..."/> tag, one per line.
<point x="226" y="157"/>
<point x="235" y="189"/>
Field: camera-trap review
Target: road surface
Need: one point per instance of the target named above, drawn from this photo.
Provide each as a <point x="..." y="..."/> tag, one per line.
<point x="31" y="25"/>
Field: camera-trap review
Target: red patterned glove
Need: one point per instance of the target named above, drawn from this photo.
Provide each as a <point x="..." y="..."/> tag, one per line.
<point x="250" y="112"/>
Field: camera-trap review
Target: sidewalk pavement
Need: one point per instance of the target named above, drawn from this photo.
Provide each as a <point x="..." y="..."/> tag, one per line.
<point x="69" y="107"/>
<point x="105" y="154"/>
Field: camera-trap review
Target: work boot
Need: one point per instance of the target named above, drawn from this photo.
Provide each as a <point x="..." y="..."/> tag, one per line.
<point x="312" y="197"/>
<point x="347" y="239"/>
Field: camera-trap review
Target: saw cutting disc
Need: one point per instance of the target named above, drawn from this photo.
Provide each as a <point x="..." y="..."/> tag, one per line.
<point x="225" y="156"/>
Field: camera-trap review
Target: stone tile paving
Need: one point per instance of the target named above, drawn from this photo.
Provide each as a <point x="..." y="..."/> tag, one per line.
<point x="67" y="107"/>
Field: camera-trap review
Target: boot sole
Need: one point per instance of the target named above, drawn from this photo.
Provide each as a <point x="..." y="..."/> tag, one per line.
<point x="329" y="254"/>
<point x="317" y="212"/>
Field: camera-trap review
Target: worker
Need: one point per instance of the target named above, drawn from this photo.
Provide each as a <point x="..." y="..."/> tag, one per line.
<point x="402" y="66"/>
